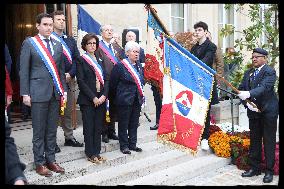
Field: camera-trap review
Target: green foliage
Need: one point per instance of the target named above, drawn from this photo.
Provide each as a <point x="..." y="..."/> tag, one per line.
<point x="251" y="36"/>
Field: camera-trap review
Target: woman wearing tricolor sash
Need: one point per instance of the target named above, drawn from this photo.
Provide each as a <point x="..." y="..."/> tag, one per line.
<point x="126" y="86"/>
<point x="93" y="82"/>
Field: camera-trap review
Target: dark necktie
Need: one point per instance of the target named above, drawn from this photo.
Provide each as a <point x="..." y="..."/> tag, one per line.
<point x="48" y="45"/>
<point x="110" y="49"/>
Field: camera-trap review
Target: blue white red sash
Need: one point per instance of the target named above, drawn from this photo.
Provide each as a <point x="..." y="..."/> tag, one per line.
<point x="108" y="53"/>
<point x="48" y="62"/>
<point x="136" y="76"/>
<point x="66" y="50"/>
<point x="95" y="65"/>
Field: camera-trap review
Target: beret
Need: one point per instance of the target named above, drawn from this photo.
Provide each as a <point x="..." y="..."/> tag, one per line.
<point x="260" y="51"/>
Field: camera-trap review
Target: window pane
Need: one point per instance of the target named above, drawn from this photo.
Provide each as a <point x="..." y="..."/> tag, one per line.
<point x="177" y="25"/>
<point x="177" y="10"/>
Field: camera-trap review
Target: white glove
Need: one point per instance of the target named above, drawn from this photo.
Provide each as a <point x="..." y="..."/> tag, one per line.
<point x="244" y="95"/>
<point x="251" y="107"/>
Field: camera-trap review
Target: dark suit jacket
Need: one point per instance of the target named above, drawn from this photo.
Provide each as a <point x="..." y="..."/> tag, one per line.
<point x="119" y="53"/>
<point x="35" y="80"/>
<point x="261" y="91"/>
<point x="86" y="79"/>
<point x="71" y="43"/>
<point x="14" y="169"/>
<point x="123" y="87"/>
<point x="206" y="53"/>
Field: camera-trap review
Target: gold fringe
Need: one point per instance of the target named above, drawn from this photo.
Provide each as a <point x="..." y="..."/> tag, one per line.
<point x="176" y="146"/>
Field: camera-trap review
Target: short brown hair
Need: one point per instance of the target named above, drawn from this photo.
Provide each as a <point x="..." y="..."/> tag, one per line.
<point x="57" y="12"/>
<point x="87" y="38"/>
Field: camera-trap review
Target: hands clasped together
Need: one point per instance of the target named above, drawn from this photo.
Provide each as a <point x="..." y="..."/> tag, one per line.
<point x="98" y="101"/>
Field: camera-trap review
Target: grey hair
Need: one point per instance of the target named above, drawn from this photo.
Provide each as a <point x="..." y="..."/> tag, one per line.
<point x="131" y="45"/>
<point x="102" y="27"/>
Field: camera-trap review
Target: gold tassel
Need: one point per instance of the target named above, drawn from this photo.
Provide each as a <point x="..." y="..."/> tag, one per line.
<point x="107" y="117"/>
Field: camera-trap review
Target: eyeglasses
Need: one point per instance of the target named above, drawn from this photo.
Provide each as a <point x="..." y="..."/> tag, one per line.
<point x="93" y="43"/>
<point x="256" y="57"/>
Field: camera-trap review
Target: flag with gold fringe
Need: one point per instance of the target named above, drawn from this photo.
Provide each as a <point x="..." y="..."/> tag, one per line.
<point x="187" y="91"/>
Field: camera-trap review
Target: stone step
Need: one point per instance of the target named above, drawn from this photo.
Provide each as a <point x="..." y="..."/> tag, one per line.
<point x="81" y="167"/>
<point x="134" y="169"/>
<point x="183" y="171"/>
<point x="69" y="153"/>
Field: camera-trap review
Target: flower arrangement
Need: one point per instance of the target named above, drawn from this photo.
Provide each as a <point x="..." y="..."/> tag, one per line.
<point x="219" y="142"/>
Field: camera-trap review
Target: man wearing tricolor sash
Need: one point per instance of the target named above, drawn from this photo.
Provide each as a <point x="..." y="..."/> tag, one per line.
<point x="71" y="55"/>
<point x="43" y="86"/>
<point x="126" y="86"/>
<point x="112" y="54"/>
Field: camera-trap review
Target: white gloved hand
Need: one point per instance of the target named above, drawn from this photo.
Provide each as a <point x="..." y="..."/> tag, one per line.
<point x="251" y="107"/>
<point x="244" y="95"/>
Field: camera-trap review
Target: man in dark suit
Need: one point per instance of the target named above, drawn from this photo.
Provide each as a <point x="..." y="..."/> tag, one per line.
<point x="112" y="54"/>
<point x="70" y="45"/>
<point x="205" y="51"/>
<point x="258" y="86"/>
<point x="42" y="87"/>
<point x="14" y="168"/>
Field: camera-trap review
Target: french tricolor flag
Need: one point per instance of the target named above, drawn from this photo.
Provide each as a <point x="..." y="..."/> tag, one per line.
<point x="187" y="87"/>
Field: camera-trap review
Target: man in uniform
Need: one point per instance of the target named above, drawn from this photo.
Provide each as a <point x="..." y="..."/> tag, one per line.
<point x="258" y="86"/>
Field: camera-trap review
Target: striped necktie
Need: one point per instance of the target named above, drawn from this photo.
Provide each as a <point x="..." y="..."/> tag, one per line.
<point x="255" y="73"/>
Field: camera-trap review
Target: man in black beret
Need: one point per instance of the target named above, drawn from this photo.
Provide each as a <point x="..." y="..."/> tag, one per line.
<point x="258" y="86"/>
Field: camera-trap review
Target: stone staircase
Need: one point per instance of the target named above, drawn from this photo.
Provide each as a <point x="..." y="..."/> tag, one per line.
<point x="157" y="164"/>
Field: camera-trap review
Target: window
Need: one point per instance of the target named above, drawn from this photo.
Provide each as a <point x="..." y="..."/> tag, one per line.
<point x="225" y="16"/>
<point x="178" y="17"/>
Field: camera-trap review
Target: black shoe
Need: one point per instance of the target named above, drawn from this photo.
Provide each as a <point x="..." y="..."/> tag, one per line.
<point x="268" y="177"/>
<point x="155" y="127"/>
<point x="136" y="149"/>
<point x="105" y="139"/>
<point x="57" y="149"/>
<point x="73" y="142"/>
<point x="125" y="151"/>
<point x="251" y="173"/>
<point x="113" y="136"/>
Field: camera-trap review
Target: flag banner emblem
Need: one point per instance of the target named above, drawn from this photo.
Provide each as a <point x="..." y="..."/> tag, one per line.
<point x="186" y="96"/>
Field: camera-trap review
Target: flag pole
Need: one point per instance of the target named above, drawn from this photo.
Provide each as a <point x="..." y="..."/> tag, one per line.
<point x="154" y="13"/>
<point x="220" y="78"/>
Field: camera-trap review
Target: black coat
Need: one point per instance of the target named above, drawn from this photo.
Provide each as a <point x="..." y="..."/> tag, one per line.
<point x="261" y="92"/>
<point x="206" y="52"/>
<point x="123" y="88"/>
<point x="86" y="79"/>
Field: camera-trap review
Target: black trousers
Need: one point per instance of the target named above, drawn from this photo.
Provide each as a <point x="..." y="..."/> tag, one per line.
<point x="262" y="129"/>
<point x="93" y="120"/>
<point x="158" y="102"/>
<point x="128" y="119"/>
<point x="205" y="134"/>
